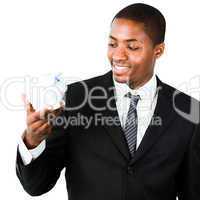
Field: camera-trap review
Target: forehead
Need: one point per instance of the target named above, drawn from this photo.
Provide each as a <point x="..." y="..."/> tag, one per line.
<point x="125" y="29"/>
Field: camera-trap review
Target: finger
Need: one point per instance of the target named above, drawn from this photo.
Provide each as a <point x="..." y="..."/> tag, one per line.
<point x="44" y="113"/>
<point x="36" y="125"/>
<point x="27" y="104"/>
<point x="33" y="117"/>
<point x="48" y="130"/>
<point x="56" y="112"/>
<point x="62" y="103"/>
<point x="38" y="115"/>
<point x="43" y="129"/>
<point x="30" y="108"/>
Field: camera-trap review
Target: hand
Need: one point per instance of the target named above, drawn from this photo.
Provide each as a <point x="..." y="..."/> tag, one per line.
<point x="38" y="128"/>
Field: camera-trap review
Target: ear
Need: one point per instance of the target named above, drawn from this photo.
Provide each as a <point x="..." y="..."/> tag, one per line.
<point x="159" y="50"/>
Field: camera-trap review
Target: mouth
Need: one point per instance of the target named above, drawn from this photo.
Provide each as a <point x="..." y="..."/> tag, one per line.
<point x="120" y="69"/>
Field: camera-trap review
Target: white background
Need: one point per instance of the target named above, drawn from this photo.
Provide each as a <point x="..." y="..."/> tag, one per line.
<point x="71" y="37"/>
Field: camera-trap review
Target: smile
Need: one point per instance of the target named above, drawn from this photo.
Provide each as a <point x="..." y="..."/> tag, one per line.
<point x="120" y="69"/>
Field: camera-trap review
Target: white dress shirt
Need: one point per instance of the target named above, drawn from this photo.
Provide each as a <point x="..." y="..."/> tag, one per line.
<point x="28" y="155"/>
<point x="145" y="109"/>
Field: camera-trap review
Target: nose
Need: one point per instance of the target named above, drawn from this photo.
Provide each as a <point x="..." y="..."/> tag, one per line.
<point x="119" y="55"/>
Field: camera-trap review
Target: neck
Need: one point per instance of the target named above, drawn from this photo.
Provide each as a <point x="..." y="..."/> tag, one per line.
<point x="137" y="84"/>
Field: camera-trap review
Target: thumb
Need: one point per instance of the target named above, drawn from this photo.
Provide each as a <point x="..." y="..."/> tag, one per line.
<point x="29" y="107"/>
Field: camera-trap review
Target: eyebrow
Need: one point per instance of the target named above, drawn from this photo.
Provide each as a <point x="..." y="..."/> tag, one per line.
<point x="129" y="40"/>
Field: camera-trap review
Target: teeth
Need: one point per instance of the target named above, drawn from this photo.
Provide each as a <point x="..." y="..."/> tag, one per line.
<point x="120" y="67"/>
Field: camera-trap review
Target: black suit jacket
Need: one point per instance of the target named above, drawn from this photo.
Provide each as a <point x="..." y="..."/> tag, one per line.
<point x="96" y="158"/>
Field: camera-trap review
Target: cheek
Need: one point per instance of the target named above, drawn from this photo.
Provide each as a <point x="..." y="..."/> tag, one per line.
<point x="141" y="65"/>
<point x="136" y="60"/>
<point x="141" y="59"/>
<point x="109" y="54"/>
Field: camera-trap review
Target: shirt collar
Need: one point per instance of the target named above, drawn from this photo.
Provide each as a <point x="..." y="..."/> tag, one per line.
<point x="147" y="92"/>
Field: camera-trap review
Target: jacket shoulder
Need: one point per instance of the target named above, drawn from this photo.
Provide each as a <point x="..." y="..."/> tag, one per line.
<point x="78" y="92"/>
<point x="178" y="96"/>
<point x="185" y="106"/>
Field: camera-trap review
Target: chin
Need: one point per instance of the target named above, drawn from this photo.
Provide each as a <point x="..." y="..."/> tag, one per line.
<point x="120" y="79"/>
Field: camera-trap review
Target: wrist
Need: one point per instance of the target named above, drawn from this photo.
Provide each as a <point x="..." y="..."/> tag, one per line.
<point x="29" y="141"/>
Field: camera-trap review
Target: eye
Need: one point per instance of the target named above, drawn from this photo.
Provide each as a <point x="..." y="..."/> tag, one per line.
<point x="133" y="48"/>
<point x="112" y="45"/>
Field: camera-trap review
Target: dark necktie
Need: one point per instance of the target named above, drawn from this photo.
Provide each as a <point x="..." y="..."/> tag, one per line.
<point x="130" y="129"/>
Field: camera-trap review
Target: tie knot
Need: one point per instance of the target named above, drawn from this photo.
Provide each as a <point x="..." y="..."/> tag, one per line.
<point x="134" y="98"/>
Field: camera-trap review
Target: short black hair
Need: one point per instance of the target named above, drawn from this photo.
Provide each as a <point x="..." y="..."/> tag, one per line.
<point x="152" y="19"/>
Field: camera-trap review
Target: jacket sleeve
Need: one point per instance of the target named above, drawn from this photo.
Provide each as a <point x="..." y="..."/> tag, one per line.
<point x="41" y="174"/>
<point x="27" y="155"/>
<point x="189" y="175"/>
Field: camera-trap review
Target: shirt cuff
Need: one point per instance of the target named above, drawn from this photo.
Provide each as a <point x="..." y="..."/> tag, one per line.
<point x="29" y="155"/>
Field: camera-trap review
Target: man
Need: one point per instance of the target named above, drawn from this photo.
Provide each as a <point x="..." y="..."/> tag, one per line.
<point x="132" y="143"/>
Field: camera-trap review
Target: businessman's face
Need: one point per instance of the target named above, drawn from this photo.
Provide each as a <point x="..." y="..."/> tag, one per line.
<point x="131" y="52"/>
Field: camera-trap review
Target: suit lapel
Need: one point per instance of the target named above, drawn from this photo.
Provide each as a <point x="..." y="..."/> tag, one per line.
<point x="114" y="130"/>
<point x="163" y="112"/>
